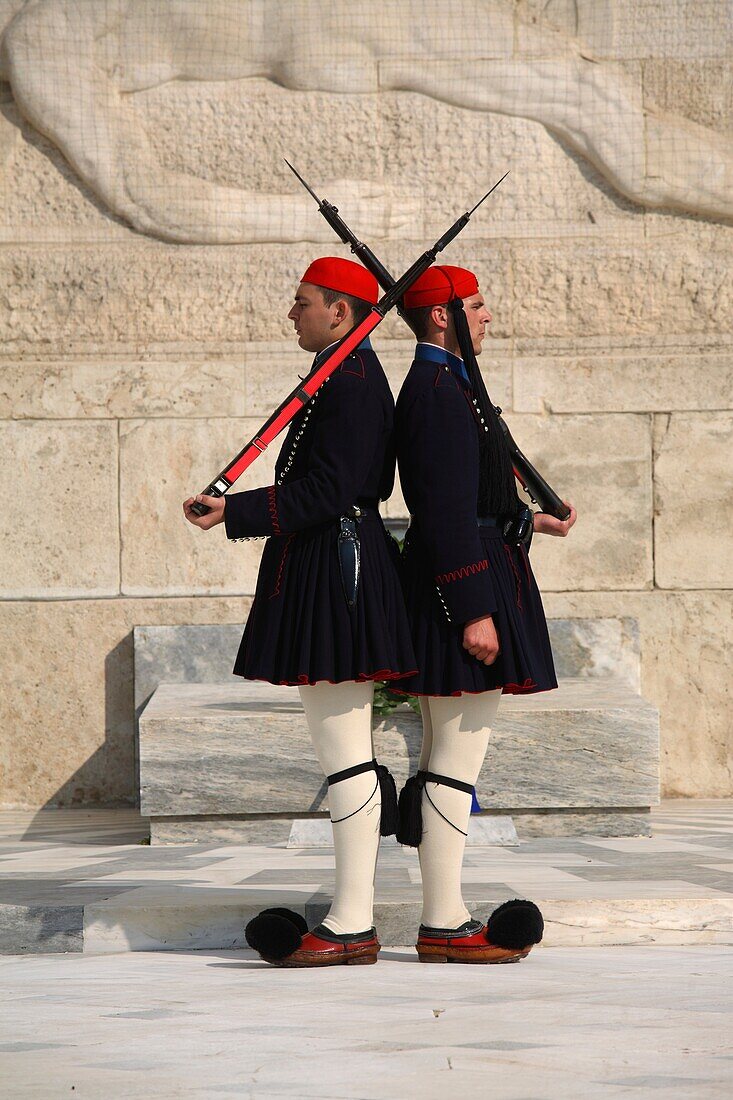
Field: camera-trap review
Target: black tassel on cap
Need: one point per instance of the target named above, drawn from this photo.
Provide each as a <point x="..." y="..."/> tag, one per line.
<point x="409" y="829"/>
<point x="388" y="792"/>
<point x="497" y="494"/>
<point x="516" y="923"/>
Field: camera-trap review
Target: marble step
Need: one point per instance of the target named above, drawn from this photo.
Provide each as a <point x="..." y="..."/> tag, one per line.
<point x="232" y="760"/>
<point x="87" y="893"/>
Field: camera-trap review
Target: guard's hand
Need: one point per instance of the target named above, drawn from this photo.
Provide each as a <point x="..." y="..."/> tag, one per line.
<point x="216" y="515"/>
<point x="545" y="524"/>
<point x="481" y="640"/>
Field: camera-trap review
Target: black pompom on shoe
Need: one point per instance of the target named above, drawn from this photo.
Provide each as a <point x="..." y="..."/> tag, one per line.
<point x="274" y="936"/>
<point x="517" y="923"/>
<point x="291" y="915"/>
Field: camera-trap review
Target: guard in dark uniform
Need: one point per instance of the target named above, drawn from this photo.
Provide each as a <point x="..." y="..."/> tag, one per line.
<point x="476" y="614"/>
<point x="328" y="613"/>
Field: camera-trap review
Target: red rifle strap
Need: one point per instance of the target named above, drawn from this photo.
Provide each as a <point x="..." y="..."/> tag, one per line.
<point x="294" y="403"/>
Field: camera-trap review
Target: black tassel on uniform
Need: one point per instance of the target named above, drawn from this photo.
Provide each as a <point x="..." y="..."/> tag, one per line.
<point x="409" y="829"/>
<point x="497" y="494"/>
<point x="516" y="924"/>
<point x="388" y="792"/>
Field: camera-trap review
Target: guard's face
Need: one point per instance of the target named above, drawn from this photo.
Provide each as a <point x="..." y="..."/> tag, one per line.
<point x="478" y="318"/>
<point x="314" y="321"/>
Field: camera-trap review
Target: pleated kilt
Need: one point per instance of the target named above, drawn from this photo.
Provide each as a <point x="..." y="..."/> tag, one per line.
<point x="300" y="629"/>
<point x="524" y="664"/>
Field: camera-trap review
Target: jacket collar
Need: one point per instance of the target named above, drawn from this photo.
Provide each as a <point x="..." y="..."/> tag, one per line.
<point x="432" y="353"/>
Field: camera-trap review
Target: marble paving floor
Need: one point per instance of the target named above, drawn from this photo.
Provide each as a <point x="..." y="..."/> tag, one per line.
<point x="81" y="881"/>
<point x="563" y="1024"/>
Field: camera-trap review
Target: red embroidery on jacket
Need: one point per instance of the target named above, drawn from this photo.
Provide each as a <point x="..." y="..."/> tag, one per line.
<point x="346" y="366"/>
<point x="464" y="571"/>
<point x="281" y="567"/>
<point x="443" y="377"/>
<point x="272" y="509"/>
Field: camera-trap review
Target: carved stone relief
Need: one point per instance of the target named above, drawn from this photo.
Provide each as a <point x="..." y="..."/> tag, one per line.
<point x="74" y="70"/>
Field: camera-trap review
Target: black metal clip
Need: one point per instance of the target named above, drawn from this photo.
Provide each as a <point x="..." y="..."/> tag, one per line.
<point x="520" y="528"/>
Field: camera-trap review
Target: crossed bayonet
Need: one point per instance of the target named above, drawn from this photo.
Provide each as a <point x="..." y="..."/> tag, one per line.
<point x="531" y="480"/>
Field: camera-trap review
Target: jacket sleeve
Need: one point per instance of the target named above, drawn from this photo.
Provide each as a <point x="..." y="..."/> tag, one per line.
<point x="442" y="443"/>
<point x="346" y="433"/>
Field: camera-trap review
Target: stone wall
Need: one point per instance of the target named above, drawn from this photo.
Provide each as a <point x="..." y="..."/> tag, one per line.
<point x="131" y="369"/>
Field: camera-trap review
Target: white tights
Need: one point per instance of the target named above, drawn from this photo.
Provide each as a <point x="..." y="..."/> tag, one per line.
<point x="455" y="738"/>
<point x="339" y="718"/>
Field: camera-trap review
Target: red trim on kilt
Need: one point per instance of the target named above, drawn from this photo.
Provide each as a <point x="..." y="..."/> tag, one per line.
<point x="526" y="561"/>
<point x="283" y="557"/>
<point x="529" y="686"/>
<point x="360" y="678"/>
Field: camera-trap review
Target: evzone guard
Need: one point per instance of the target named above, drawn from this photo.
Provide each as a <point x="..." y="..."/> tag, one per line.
<point x="283" y="640"/>
<point x="328" y="613"/>
<point x="476" y="615"/>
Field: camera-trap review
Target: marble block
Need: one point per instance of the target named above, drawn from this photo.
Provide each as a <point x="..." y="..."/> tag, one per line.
<point x="204" y="653"/>
<point x="602" y="463"/>
<point x="67" y="543"/>
<point x="161" y="552"/>
<point x="191" y="654"/>
<point x="693" y="491"/>
<point x="242" y="749"/>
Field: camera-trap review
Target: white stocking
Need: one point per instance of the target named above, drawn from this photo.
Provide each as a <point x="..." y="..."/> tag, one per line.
<point x="339" y="718"/>
<point x="455" y="738"/>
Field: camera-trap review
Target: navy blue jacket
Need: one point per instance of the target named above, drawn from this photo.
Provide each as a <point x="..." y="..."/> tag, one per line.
<point x="339" y="447"/>
<point x="437" y="431"/>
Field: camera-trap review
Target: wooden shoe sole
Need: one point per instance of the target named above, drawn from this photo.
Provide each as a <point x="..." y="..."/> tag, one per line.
<point x="364" y="957"/>
<point x="488" y="954"/>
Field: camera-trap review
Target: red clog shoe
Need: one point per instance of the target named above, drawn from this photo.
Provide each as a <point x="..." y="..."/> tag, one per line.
<point x="322" y="947"/>
<point x="508" y="937"/>
<point x="281" y="938"/>
<point x="469" y="943"/>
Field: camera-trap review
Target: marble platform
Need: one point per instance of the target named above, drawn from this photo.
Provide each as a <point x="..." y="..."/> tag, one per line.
<point x="235" y="761"/>
<point x="67" y="886"/>
<point x="604" y="1023"/>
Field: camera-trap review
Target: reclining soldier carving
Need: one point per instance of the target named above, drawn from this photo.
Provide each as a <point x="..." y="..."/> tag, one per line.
<point x="72" y="66"/>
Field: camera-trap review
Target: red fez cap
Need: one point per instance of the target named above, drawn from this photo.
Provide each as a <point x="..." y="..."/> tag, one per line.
<point x="440" y="285"/>
<point x="344" y="276"/>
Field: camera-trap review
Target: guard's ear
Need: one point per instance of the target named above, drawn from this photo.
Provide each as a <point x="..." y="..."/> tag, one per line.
<point x="341" y="312"/>
<point x="439" y="316"/>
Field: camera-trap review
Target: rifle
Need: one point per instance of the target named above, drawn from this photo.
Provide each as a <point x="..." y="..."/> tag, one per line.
<point x="531" y="480"/>
<point x="324" y="367"/>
